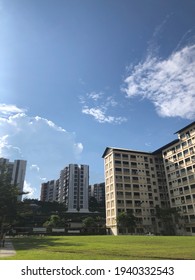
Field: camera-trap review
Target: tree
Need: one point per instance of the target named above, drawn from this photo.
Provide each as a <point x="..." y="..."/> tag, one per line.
<point x="54" y="221"/>
<point x="89" y="222"/>
<point x="33" y="212"/>
<point x="8" y="198"/>
<point x="126" y="221"/>
<point x="93" y="204"/>
<point x="167" y="216"/>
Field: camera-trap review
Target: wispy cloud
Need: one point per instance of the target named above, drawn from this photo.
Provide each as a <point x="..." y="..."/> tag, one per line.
<point x="168" y="83"/>
<point x="46" y="146"/>
<point x="6" y="109"/>
<point x="99" y="114"/>
<point x="95" y="95"/>
<point x="97" y="105"/>
<point x="34" y="167"/>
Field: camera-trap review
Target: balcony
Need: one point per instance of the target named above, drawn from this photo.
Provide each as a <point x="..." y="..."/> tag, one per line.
<point x="190" y="211"/>
<point x="128" y="196"/>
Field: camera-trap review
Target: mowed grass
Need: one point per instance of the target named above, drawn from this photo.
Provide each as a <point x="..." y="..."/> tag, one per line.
<point x="104" y="248"/>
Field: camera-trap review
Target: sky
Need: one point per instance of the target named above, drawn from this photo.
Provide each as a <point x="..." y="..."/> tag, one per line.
<point x="77" y="76"/>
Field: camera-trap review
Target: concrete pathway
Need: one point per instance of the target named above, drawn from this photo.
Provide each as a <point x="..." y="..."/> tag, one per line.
<point x="8" y="250"/>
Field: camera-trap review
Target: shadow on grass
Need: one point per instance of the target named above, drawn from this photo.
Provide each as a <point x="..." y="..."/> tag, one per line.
<point x="28" y="243"/>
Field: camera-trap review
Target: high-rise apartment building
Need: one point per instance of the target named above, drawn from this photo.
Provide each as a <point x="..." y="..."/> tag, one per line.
<point x="138" y="182"/>
<point x="50" y="191"/>
<point x="74" y="184"/>
<point x="97" y="191"/>
<point x="17" y="170"/>
<point x="134" y="181"/>
<point x="179" y="162"/>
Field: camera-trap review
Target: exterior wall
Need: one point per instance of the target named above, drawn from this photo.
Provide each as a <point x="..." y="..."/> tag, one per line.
<point x="97" y="191"/>
<point x="139" y="181"/>
<point x="84" y="188"/>
<point x="50" y="191"/>
<point x="133" y="184"/>
<point x="63" y="186"/>
<point x="43" y="196"/>
<point x="73" y="186"/>
<point x="17" y="170"/>
<point x="179" y="161"/>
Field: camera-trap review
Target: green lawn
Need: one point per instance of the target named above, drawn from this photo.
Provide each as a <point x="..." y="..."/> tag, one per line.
<point x="104" y="248"/>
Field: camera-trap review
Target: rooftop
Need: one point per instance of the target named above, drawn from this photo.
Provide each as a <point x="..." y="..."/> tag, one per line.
<point x="186" y="127"/>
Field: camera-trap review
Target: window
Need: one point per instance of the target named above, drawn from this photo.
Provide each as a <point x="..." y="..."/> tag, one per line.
<point x="126" y="170"/>
<point x="129" y="201"/>
<point x="186" y="188"/>
<point x="187" y="160"/>
<point x="193" y="229"/>
<point x="117" y="155"/>
<point x="189" y="168"/>
<point x="135" y="178"/>
<point x="118" y="169"/>
<point x="184" y="144"/>
<point x="125" y="156"/>
<point x="191" y="177"/>
<point x="177" y="147"/>
<point x="187" y="134"/>
<point x="192" y="187"/>
<point x="193" y="158"/>
<point x="133" y="157"/>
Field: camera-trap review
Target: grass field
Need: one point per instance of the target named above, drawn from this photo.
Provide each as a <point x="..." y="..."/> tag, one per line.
<point x="104" y="248"/>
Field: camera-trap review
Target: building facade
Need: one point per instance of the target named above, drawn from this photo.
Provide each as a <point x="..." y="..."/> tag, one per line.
<point x="138" y="182"/>
<point x="50" y="191"/>
<point x="73" y="187"/>
<point x="97" y="191"/>
<point x="179" y="162"/>
<point x="17" y="171"/>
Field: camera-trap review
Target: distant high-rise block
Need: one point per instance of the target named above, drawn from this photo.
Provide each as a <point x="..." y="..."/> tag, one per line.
<point x="74" y="184"/>
<point x="17" y="171"/>
<point x="97" y="191"/>
<point x="50" y="191"/>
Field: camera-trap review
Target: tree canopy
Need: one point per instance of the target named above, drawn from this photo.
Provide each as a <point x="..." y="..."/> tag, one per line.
<point x="8" y="198"/>
<point x="126" y="221"/>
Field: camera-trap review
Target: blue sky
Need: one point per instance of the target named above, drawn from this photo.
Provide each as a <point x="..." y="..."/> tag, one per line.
<point x="77" y="76"/>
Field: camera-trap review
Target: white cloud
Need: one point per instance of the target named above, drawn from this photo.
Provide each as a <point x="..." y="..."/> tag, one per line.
<point x="34" y="167"/>
<point x="99" y="108"/>
<point x="78" y="147"/>
<point x="169" y="84"/>
<point x="3" y="142"/>
<point x="100" y="115"/>
<point x="46" y="146"/>
<point x="95" y="95"/>
<point x="29" y="189"/>
<point x="10" y="109"/>
<point x="49" y="123"/>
